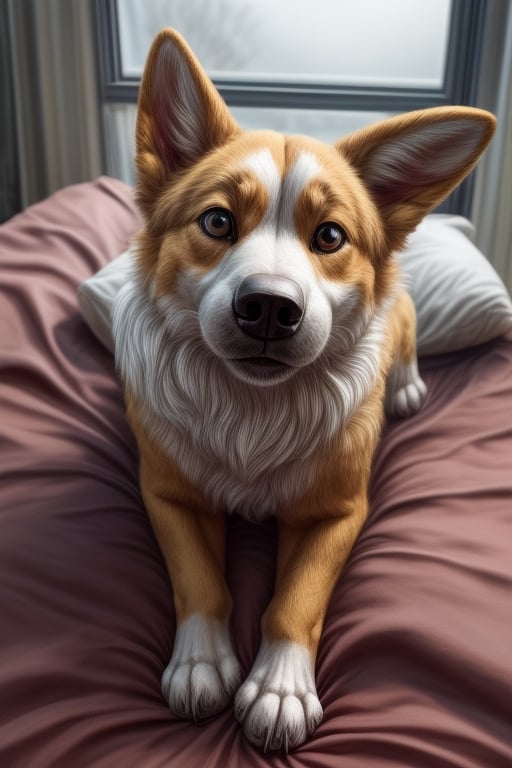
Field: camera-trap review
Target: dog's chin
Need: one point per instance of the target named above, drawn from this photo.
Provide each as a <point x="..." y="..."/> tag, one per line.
<point x="262" y="371"/>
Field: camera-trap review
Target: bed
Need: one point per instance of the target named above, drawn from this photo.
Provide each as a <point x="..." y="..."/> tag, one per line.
<point x="415" y="663"/>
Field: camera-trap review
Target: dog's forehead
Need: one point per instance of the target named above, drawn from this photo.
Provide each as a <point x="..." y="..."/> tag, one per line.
<point x="288" y="183"/>
<point x="284" y="185"/>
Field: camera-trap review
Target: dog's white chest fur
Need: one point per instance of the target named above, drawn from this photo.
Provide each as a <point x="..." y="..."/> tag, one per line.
<point x="249" y="449"/>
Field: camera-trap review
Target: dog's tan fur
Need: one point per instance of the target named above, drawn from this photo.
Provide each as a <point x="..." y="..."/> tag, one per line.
<point x="318" y="529"/>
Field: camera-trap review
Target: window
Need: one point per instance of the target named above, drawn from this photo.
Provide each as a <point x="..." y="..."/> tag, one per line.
<point x="322" y="67"/>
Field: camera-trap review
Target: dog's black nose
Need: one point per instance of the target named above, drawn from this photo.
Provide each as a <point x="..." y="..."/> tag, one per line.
<point x="268" y="306"/>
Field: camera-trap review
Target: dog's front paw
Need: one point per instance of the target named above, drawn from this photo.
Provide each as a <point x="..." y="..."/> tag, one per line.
<point x="203" y="672"/>
<point x="406" y="390"/>
<point x="278" y="705"/>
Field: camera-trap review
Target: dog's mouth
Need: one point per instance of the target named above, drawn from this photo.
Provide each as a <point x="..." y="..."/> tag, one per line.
<point x="262" y="360"/>
<point x="261" y="369"/>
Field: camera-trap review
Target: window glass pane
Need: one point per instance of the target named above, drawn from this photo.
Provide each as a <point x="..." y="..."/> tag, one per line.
<point x="369" y="42"/>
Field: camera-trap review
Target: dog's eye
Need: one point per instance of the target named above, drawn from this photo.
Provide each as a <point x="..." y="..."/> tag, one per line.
<point x="328" y="238"/>
<point x="217" y="223"/>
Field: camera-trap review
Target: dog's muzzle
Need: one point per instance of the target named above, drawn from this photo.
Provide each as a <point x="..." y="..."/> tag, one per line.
<point x="268" y="307"/>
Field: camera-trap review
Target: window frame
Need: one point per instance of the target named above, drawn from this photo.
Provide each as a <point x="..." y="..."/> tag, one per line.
<point x="459" y="86"/>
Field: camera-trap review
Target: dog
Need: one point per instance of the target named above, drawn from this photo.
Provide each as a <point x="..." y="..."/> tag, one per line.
<point x="260" y="340"/>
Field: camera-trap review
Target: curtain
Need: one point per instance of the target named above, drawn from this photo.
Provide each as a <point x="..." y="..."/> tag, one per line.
<point x="492" y="204"/>
<point x="56" y="94"/>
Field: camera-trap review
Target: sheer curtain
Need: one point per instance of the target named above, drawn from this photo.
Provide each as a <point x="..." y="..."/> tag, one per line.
<point x="58" y="114"/>
<point x="492" y="204"/>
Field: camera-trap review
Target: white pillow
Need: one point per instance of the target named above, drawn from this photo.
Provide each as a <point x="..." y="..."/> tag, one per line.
<point x="460" y="300"/>
<point x="97" y="294"/>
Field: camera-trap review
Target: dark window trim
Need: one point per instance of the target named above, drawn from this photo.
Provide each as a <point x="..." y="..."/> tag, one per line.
<point x="463" y="54"/>
<point x="464" y="50"/>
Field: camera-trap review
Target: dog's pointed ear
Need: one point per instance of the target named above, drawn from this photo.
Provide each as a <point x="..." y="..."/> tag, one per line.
<point x="410" y="163"/>
<point x="180" y="116"/>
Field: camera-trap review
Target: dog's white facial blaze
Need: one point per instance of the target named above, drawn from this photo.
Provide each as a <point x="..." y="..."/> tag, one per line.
<point x="278" y="704"/>
<point x="282" y="193"/>
<point x="304" y="170"/>
<point x="263" y="166"/>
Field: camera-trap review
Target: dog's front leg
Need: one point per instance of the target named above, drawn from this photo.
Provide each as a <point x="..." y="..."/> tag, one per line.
<point x="203" y="672"/>
<point x="278" y="703"/>
<point x="406" y="390"/>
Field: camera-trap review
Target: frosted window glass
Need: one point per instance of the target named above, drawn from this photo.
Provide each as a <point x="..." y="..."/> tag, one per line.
<point x="398" y="43"/>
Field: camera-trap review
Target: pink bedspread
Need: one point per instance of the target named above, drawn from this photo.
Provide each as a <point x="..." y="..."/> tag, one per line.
<point x="415" y="664"/>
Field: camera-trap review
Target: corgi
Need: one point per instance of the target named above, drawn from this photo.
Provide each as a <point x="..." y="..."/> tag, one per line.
<point x="260" y="340"/>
